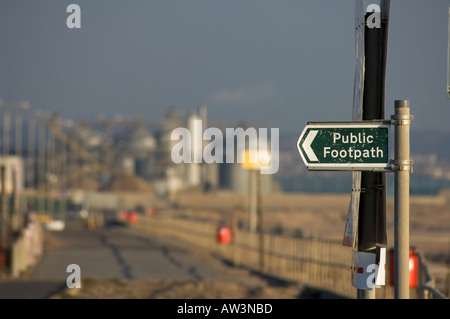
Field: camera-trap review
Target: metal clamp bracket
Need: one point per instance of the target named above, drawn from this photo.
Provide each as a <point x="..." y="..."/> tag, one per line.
<point x="402" y="165"/>
<point x="401" y="119"/>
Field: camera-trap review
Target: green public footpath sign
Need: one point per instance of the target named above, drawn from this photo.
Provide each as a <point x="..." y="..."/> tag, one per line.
<point x="360" y="146"/>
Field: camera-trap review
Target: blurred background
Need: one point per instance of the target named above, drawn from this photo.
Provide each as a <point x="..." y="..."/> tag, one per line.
<point x="86" y="114"/>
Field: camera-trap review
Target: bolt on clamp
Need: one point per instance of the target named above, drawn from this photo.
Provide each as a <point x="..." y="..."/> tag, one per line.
<point x="397" y="165"/>
<point x="401" y="119"/>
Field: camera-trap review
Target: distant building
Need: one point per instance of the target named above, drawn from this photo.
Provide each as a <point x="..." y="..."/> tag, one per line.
<point x="13" y="170"/>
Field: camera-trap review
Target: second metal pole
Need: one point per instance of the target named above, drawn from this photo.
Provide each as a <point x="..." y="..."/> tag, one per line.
<point x="252" y="217"/>
<point x="260" y="223"/>
<point x="3" y="210"/>
<point x="402" y="166"/>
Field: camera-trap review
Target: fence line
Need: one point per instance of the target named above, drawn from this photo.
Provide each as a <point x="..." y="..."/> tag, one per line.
<point x="316" y="262"/>
<point x="26" y="249"/>
<point x="427" y="290"/>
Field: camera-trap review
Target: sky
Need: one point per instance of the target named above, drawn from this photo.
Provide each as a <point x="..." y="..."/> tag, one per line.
<point x="271" y="63"/>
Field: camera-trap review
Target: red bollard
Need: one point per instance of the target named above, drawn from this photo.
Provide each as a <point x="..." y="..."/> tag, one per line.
<point x="132" y="217"/>
<point x="123" y="215"/>
<point x="413" y="268"/>
<point x="224" y="235"/>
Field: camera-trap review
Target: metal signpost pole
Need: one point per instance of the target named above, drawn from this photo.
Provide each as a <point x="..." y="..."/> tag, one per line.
<point x="372" y="209"/>
<point x="252" y="163"/>
<point x="3" y="209"/>
<point x="402" y="166"/>
<point x="260" y="223"/>
<point x="252" y="217"/>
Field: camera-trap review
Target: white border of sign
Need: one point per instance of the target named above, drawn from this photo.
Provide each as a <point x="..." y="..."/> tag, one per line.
<point x="348" y="166"/>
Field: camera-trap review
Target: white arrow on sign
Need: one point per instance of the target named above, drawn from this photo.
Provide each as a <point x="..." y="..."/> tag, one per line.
<point x="307" y="145"/>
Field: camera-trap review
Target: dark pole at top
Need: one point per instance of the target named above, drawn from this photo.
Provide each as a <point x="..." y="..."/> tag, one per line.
<point x="372" y="207"/>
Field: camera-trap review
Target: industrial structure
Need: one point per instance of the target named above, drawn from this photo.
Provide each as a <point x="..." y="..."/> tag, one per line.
<point x="58" y="155"/>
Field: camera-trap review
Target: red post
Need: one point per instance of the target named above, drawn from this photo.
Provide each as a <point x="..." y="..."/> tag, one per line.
<point x="224" y="235"/>
<point x="413" y="268"/>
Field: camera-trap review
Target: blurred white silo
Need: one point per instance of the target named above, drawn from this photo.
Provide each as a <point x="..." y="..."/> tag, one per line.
<point x="194" y="169"/>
